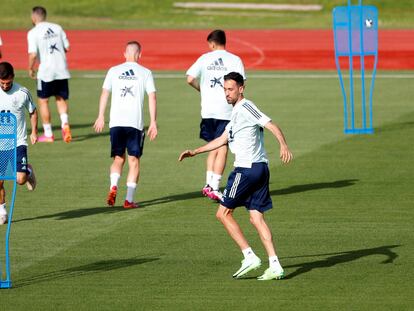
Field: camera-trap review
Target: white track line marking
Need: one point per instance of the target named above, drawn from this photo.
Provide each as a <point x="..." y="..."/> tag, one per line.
<point x="248" y="6"/>
<point x="262" y="56"/>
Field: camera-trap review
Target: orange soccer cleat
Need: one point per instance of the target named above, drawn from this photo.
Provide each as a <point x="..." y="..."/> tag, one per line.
<point x="66" y="134"/>
<point x="128" y="204"/>
<point x="112" y="196"/>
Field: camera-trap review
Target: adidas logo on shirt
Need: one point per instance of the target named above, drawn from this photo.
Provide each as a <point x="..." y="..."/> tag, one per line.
<point x="218" y="64"/>
<point x="128" y="75"/>
<point x="49" y="34"/>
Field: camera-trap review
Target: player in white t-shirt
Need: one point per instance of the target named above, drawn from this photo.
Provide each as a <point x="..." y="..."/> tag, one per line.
<point x="206" y="76"/>
<point x="17" y="100"/>
<point x="48" y="45"/>
<point x="248" y="184"/>
<point x="128" y="83"/>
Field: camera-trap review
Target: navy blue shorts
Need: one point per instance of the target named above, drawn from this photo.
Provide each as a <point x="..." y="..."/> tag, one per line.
<point x="248" y="187"/>
<point x="128" y="138"/>
<point x="21" y="159"/>
<point x="210" y="129"/>
<point x="53" y="88"/>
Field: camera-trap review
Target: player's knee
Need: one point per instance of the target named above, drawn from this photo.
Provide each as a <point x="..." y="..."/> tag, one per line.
<point x="21" y="179"/>
<point x="255" y="221"/>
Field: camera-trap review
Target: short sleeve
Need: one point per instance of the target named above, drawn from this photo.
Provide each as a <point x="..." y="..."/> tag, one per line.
<point x="149" y="84"/>
<point x="65" y="40"/>
<point x="254" y="115"/>
<point x="28" y="100"/>
<point x="31" y="42"/>
<point x="241" y="68"/>
<point x="195" y="69"/>
<point x="107" y="85"/>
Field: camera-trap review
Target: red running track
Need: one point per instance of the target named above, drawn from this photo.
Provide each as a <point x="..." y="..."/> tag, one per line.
<point x="178" y="49"/>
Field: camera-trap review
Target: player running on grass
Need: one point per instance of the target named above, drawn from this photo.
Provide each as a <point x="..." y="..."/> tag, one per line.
<point x="47" y="43"/>
<point x="128" y="83"/>
<point x="16" y="99"/>
<point x="248" y="184"/>
<point x="215" y="112"/>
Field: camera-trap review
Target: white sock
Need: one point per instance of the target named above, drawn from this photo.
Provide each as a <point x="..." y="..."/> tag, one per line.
<point x="274" y="263"/>
<point x="47" y="129"/>
<point x="3" y="211"/>
<point x="215" y="181"/>
<point x="114" y="179"/>
<point x="248" y="253"/>
<point x="64" y="118"/>
<point x="131" y="187"/>
<point x="209" y="175"/>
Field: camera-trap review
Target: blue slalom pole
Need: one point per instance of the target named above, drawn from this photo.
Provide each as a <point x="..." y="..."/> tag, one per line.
<point x="8" y="141"/>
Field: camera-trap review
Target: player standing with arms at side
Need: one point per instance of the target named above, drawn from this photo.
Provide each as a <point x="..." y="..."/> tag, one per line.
<point x="128" y="83"/>
<point x="248" y="184"/>
<point x="206" y="76"/>
<point x="48" y="44"/>
<point x="16" y="99"/>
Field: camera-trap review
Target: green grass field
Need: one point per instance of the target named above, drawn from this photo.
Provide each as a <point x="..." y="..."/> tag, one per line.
<point x="342" y="216"/>
<point x="126" y="14"/>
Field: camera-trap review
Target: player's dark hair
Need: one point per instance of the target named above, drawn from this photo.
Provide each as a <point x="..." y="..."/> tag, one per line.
<point x="217" y="36"/>
<point x="6" y="70"/>
<point x="39" y="10"/>
<point x="135" y="43"/>
<point x="236" y="77"/>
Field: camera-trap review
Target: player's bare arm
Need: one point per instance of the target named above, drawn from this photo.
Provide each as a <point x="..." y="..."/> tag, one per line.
<point x="193" y="82"/>
<point x="285" y="154"/>
<point x="33" y="123"/>
<point x="152" y="129"/>
<point x="100" y="121"/>
<point x="212" y="145"/>
<point x="32" y="63"/>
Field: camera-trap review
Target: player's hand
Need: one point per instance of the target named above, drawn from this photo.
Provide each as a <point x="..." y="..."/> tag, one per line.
<point x="32" y="73"/>
<point x="186" y="154"/>
<point x="33" y="138"/>
<point x="285" y="155"/>
<point x="99" y="124"/>
<point x="152" y="131"/>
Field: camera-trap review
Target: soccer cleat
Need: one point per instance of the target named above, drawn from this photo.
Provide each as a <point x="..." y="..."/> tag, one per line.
<point x="272" y="274"/>
<point x="66" y="133"/>
<point x="206" y="190"/>
<point x="248" y="264"/>
<point x="215" y="195"/>
<point x="128" y="204"/>
<point x="45" y="139"/>
<point x="112" y="196"/>
<point x="31" y="179"/>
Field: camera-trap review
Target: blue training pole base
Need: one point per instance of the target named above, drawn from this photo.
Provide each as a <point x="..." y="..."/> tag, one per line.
<point x="5" y="284"/>
<point x="359" y="131"/>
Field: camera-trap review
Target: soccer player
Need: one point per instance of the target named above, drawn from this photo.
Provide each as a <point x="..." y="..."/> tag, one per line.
<point x="128" y="83"/>
<point x="248" y="184"/>
<point x="16" y="99"/>
<point x="48" y="44"/>
<point x="206" y="76"/>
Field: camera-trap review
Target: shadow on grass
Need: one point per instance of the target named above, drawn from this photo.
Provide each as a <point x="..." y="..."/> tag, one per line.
<point x="340" y="258"/>
<point x="315" y="186"/>
<point x="91" y="268"/>
<point x="84" y="212"/>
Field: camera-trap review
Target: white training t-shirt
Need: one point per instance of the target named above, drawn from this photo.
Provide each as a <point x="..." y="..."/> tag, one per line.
<point x="128" y="83"/>
<point x="245" y="134"/>
<point x="210" y="69"/>
<point x="49" y="42"/>
<point x="16" y="101"/>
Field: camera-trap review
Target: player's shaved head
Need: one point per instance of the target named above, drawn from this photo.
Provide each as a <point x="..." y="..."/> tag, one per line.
<point x="132" y="51"/>
<point x="40" y="12"/>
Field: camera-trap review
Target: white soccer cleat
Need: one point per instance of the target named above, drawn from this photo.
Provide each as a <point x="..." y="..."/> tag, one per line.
<point x="272" y="274"/>
<point x="248" y="264"/>
<point x="215" y="195"/>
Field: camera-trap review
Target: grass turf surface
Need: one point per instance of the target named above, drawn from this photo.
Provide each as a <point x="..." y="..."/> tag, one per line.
<point x="342" y="219"/>
<point x="124" y="14"/>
